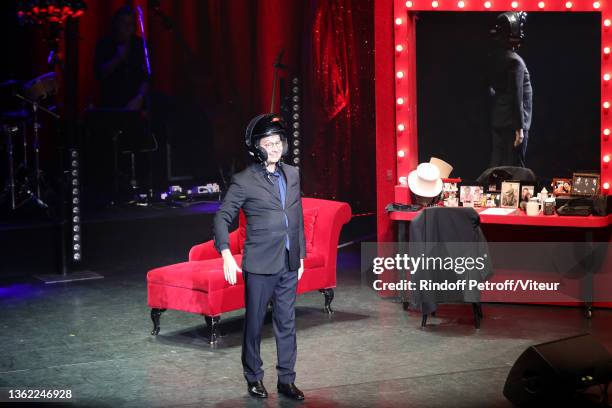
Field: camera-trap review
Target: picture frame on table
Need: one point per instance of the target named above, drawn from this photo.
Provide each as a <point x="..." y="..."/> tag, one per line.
<point x="449" y="194"/>
<point x="491" y="200"/>
<point x="470" y="195"/>
<point x="528" y="190"/>
<point x="586" y="184"/>
<point x="561" y="186"/>
<point x="510" y="194"/>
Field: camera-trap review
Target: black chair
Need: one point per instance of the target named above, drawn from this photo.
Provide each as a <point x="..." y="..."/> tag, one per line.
<point x="448" y="232"/>
<point x="144" y="150"/>
<point x="111" y="133"/>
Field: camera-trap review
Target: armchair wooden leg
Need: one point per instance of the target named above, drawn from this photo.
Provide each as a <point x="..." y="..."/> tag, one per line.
<point x="477" y="309"/>
<point x="212" y="324"/>
<point x="155" y="315"/>
<point x="329" y="297"/>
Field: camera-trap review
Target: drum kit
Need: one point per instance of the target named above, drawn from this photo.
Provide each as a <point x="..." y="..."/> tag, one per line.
<point x="24" y="175"/>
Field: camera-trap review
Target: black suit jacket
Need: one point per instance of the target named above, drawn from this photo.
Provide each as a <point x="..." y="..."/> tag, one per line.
<point x="448" y="232"/>
<point x="510" y="87"/>
<point x="266" y="228"/>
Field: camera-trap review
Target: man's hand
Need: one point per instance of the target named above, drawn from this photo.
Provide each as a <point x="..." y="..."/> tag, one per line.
<point x="518" y="137"/>
<point x="229" y="267"/>
<point x="301" y="269"/>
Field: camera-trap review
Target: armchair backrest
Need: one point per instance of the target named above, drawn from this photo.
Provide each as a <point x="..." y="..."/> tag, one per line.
<point x="330" y="217"/>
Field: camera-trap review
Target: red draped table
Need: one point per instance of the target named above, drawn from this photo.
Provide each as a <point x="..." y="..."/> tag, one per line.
<point x="520" y="221"/>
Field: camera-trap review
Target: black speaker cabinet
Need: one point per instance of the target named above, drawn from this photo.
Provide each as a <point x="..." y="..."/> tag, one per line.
<point x="557" y="370"/>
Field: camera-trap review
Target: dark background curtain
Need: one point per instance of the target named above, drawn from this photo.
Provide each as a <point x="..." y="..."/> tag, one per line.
<point x="212" y="71"/>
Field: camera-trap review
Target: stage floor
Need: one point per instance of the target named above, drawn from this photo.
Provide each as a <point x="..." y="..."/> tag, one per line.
<point x="93" y="338"/>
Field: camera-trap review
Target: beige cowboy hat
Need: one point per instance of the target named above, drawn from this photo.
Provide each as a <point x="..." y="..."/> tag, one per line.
<point x="444" y="167"/>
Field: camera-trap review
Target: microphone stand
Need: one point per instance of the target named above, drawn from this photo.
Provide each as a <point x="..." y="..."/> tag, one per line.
<point x="149" y="108"/>
<point x="277" y="65"/>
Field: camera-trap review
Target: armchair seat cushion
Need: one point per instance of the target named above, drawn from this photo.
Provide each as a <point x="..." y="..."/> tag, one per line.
<point x="207" y="276"/>
<point x="204" y="276"/>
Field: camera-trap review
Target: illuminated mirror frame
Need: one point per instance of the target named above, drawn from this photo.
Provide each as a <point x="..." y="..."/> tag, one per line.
<point x="404" y="48"/>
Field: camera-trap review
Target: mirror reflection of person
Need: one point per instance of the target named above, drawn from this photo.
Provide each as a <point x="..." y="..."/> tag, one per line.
<point x="119" y="64"/>
<point x="510" y="88"/>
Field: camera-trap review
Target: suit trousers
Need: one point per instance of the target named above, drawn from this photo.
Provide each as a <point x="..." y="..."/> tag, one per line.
<point x="259" y="289"/>
<point x="503" y="151"/>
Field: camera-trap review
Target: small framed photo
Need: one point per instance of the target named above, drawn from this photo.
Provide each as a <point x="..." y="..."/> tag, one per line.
<point x="585" y="184"/>
<point x="561" y="186"/>
<point x="490" y="200"/>
<point x="449" y="194"/>
<point x="510" y="194"/>
<point x="451" y="202"/>
<point x="470" y="196"/>
<point x="527" y="191"/>
<point x="449" y="190"/>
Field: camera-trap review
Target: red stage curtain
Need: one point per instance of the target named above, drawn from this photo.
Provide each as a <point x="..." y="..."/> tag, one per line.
<point x="340" y="161"/>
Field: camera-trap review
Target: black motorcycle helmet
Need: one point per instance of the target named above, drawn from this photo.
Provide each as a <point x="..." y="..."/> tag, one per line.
<point x="510" y="28"/>
<point x="263" y="126"/>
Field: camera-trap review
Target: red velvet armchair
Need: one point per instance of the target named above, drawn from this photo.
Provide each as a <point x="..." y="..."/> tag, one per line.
<point x="198" y="285"/>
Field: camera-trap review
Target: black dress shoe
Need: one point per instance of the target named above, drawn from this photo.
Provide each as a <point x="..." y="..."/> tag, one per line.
<point x="291" y="391"/>
<point x="257" y="389"/>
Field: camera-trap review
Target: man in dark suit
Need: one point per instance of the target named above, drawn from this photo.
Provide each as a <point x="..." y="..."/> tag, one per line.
<point x="274" y="250"/>
<point x="510" y="88"/>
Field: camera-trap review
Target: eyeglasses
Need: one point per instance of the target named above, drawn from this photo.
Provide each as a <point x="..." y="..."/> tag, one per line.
<point x="270" y="145"/>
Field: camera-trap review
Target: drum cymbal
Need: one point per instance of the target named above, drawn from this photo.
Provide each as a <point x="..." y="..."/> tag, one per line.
<point x="41" y="87"/>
